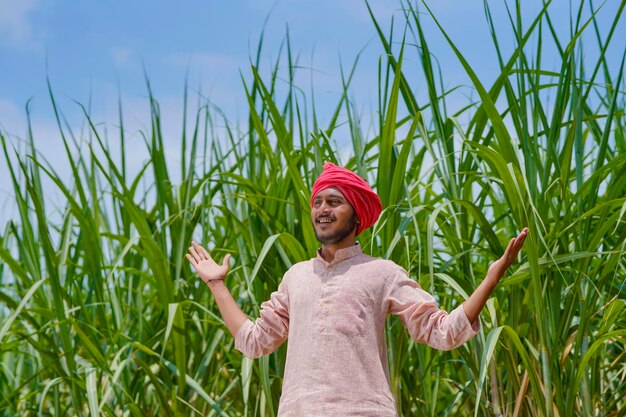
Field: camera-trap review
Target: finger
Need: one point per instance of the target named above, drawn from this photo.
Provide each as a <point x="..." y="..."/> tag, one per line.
<point x="517" y="246"/>
<point x="226" y="260"/>
<point x="507" y="252"/>
<point x="523" y="234"/>
<point x="194" y="253"/>
<point x="514" y="252"/>
<point x="191" y="260"/>
<point x="199" y="250"/>
<point x="206" y="253"/>
<point x="519" y="241"/>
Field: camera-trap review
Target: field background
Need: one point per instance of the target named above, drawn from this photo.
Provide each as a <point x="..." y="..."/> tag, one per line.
<point x="101" y="315"/>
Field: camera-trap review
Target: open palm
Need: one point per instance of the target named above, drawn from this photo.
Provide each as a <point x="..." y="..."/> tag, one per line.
<point x="510" y="255"/>
<point x="204" y="265"/>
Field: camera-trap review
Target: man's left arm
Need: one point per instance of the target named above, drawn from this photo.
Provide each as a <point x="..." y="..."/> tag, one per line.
<point x="475" y="303"/>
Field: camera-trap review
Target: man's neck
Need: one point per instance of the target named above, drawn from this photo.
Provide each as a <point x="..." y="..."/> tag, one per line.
<point x="328" y="251"/>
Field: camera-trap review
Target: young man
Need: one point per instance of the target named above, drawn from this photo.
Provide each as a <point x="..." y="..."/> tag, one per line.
<point x="333" y="308"/>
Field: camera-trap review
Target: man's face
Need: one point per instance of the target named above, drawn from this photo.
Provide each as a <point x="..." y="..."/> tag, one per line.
<point x="334" y="219"/>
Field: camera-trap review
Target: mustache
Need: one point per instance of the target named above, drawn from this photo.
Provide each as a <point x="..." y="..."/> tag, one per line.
<point x="325" y="216"/>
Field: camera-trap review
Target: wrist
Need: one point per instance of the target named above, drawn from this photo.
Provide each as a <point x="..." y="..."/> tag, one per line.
<point x="216" y="284"/>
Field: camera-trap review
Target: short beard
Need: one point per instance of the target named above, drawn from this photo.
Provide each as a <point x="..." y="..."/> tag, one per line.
<point x="339" y="235"/>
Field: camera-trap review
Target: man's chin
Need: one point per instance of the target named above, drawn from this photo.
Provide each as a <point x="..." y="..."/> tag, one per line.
<point x="330" y="239"/>
<point x="324" y="240"/>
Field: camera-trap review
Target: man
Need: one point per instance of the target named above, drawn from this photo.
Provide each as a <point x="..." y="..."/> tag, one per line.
<point x="333" y="308"/>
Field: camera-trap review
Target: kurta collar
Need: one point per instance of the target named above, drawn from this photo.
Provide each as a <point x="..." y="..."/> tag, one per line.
<point x="342" y="254"/>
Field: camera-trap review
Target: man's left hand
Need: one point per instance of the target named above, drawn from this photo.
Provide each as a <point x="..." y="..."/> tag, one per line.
<point x="499" y="267"/>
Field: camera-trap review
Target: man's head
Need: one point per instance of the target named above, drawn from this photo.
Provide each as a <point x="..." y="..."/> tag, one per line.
<point x="333" y="217"/>
<point x="342" y="204"/>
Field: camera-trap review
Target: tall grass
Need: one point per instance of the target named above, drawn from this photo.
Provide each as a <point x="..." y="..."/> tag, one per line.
<point x="101" y="315"/>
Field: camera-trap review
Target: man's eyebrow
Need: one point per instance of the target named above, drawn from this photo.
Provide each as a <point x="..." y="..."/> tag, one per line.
<point x="331" y="197"/>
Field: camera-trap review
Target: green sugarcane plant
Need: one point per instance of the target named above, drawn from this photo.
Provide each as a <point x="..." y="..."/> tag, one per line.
<point x="100" y="315"/>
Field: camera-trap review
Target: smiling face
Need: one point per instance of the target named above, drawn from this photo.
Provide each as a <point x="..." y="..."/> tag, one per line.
<point x="334" y="219"/>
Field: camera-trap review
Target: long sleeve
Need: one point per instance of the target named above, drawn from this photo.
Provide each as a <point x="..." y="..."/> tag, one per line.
<point x="422" y="317"/>
<point x="271" y="328"/>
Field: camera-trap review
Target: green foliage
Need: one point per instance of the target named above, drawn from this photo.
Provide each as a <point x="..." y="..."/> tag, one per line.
<point x="101" y="315"/>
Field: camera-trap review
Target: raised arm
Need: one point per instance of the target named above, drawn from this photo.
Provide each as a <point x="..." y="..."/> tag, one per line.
<point x="213" y="275"/>
<point x="263" y="336"/>
<point x="475" y="303"/>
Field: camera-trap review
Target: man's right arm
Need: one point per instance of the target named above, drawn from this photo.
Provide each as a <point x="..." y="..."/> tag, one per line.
<point x="213" y="274"/>
<point x="253" y="339"/>
<point x="229" y="309"/>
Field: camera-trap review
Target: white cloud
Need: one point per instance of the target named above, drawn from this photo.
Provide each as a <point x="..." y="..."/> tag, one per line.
<point x="13" y="126"/>
<point x="16" y="28"/>
<point x="206" y="62"/>
<point x="217" y="76"/>
<point x="12" y="118"/>
<point x="123" y="57"/>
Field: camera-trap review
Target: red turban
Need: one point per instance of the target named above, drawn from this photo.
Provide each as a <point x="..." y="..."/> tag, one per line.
<point x="359" y="194"/>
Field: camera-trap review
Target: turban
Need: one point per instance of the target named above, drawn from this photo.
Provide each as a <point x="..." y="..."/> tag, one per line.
<point x="359" y="194"/>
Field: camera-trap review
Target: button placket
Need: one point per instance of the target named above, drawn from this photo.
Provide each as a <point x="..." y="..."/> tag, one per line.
<point x="323" y="304"/>
<point x="323" y="292"/>
<point x="319" y="315"/>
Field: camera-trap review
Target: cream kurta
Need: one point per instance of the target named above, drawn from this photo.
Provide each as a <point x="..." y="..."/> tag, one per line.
<point x="334" y="316"/>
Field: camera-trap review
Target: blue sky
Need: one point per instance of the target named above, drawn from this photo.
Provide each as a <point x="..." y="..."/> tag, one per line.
<point x="87" y="48"/>
<point x="91" y="49"/>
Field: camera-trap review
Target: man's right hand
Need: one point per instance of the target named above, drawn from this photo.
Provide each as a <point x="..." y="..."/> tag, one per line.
<point x="213" y="276"/>
<point x="204" y="265"/>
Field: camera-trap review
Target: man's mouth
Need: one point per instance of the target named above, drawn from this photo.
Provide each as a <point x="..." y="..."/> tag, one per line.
<point x="325" y="220"/>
